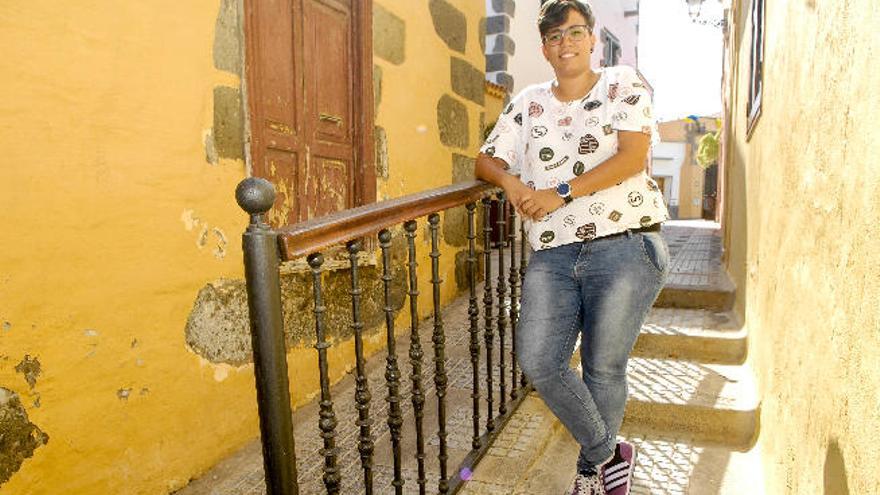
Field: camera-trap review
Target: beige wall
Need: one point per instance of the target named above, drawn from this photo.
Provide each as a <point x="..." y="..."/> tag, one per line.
<point x="115" y="213"/>
<point x="801" y="230"/>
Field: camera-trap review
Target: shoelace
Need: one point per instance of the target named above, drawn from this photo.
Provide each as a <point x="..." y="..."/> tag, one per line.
<point x="588" y="485"/>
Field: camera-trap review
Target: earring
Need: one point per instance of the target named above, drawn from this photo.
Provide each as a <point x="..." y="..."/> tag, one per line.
<point x="592" y="49"/>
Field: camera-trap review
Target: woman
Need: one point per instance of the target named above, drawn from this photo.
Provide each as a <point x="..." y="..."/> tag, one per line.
<point x="570" y="156"/>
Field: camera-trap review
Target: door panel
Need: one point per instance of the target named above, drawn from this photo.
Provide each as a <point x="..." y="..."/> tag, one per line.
<point x="310" y="101"/>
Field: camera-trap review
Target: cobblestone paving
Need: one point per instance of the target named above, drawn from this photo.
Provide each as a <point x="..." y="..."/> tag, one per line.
<point x="664" y="466"/>
<point x="695" y="253"/>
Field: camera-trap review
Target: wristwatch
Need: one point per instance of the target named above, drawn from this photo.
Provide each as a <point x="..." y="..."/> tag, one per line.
<point x="564" y="192"/>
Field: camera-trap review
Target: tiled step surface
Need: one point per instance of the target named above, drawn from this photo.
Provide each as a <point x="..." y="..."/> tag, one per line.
<point x="666" y="464"/>
<point x="702" y="402"/>
<point x="697" y="280"/>
<point x="692" y="334"/>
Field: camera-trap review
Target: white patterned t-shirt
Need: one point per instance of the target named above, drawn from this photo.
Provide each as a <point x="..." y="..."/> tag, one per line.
<point x="546" y="141"/>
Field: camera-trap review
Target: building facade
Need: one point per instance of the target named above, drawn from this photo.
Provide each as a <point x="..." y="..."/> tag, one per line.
<point x="800" y="224"/>
<point x="125" y="357"/>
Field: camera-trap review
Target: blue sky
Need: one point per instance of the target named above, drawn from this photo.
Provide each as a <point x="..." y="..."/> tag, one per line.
<point x="680" y="59"/>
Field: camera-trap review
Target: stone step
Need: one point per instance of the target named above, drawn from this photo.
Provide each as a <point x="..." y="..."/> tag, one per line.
<point x="716" y="296"/>
<point x="664" y="465"/>
<point x="693" y="335"/>
<point x="695" y="401"/>
<point x="542" y="460"/>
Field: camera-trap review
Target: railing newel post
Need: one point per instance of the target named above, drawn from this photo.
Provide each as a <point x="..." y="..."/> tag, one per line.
<point x="261" y="264"/>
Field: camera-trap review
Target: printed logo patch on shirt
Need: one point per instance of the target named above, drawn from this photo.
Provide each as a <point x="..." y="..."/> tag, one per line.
<point x="586" y="232"/>
<point x="647" y="112"/>
<point x="539" y="131"/>
<point x="567" y="136"/>
<point x="557" y="164"/>
<point x="531" y="185"/>
<point x="632" y="99"/>
<point x="592" y="105"/>
<point x="509" y="108"/>
<point x="490" y="151"/>
<point x="652" y="185"/>
<point x="592" y="121"/>
<point x="638" y="85"/>
<point x="579" y="168"/>
<point x="615" y="216"/>
<point x="518" y="118"/>
<point x="621" y="115"/>
<point x="535" y="110"/>
<point x="589" y="144"/>
<point x="569" y="220"/>
<point x="645" y="221"/>
<point x="612" y="91"/>
<point x="564" y="122"/>
<point x="548" y="236"/>
<point x="607" y="129"/>
<point x="546" y="154"/>
<point x="635" y="199"/>
<point x="597" y="208"/>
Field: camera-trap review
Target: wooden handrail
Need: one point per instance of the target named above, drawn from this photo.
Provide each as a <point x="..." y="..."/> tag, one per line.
<point x="311" y="236"/>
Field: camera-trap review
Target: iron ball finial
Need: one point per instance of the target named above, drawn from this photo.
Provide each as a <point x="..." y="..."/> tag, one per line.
<point x="255" y="195"/>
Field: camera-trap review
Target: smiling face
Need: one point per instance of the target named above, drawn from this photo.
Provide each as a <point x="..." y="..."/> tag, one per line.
<point x="570" y="57"/>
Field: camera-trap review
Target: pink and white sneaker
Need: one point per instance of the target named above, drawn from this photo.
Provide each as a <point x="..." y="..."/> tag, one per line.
<point x="617" y="473"/>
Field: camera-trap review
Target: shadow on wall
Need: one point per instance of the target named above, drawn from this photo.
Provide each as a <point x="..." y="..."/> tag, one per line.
<point x="835" y="471"/>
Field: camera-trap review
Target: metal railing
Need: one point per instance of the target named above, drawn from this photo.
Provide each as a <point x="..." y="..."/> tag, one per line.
<point x="264" y="250"/>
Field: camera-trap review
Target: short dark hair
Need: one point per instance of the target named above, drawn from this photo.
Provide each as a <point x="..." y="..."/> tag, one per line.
<point x="554" y="13"/>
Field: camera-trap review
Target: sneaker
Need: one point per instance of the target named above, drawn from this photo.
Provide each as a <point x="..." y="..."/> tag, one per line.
<point x="617" y="473"/>
<point x="586" y="484"/>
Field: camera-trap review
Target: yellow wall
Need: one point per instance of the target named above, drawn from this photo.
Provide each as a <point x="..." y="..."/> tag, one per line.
<point x="105" y="194"/>
<point x="801" y="231"/>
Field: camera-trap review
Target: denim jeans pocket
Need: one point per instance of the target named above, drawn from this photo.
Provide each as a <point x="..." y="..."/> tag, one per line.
<point x="655" y="251"/>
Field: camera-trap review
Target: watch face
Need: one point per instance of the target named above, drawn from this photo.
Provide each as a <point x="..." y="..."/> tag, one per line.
<point x="563" y="189"/>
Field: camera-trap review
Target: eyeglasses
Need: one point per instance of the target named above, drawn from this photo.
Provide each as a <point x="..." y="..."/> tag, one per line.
<point x="576" y="33"/>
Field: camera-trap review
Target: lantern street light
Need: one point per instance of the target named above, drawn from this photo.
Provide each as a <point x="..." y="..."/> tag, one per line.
<point x="695" y="8"/>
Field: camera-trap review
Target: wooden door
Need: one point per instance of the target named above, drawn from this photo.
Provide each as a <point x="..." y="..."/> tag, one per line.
<point x="309" y="72"/>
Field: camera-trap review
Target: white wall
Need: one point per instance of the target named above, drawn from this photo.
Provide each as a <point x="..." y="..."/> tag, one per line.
<point x="667" y="161"/>
<point x="528" y="66"/>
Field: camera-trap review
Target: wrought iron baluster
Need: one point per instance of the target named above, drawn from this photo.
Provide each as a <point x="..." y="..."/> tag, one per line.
<point x="392" y="372"/>
<point x="260" y="246"/>
<point x="327" y="422"/>
<point x="473" y="317"/>
<point x="501" y="291"/>
<point x="439" y="340"/>
<point x="416" y="354"/>
<point x="362" y="391"/>
<point x="488" y="328"/>
<point x="514" y="308"/>
<point x="522" y="278"/>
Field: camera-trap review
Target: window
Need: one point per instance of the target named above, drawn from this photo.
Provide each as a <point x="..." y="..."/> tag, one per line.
<point x="610" y="49"/>
<point x="756" y="68"/>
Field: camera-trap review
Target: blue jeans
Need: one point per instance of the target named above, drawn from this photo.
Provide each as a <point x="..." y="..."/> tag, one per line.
<point x="601" y="290"/>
